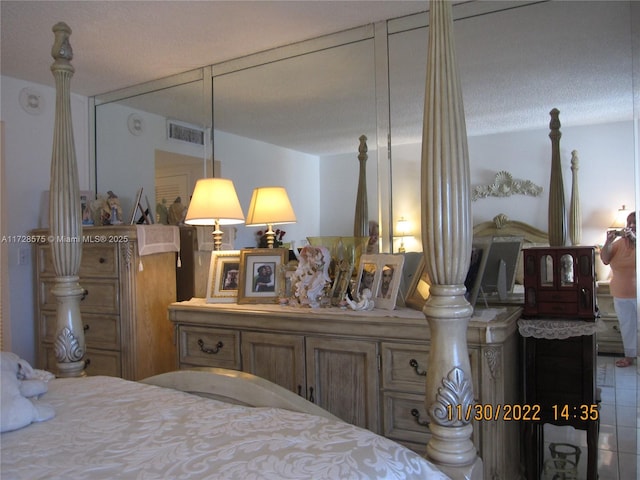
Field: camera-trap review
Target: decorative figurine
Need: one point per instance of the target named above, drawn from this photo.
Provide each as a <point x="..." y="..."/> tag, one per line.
<point x="177" y="212"/>
<point x="312" y="275"/>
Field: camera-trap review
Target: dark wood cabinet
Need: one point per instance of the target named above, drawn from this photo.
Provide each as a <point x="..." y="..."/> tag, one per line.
<point x="560" y="378"/>
<point x="560" y="282"/>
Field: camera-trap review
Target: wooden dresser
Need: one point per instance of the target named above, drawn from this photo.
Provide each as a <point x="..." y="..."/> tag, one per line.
<point x="124" y="311"/>
<point x="609" y="340"/>
<point x="367" y="368"/>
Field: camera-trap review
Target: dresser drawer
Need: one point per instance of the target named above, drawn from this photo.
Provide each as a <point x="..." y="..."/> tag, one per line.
<point x="102" y="296"/>
<point x="209" y="347"/>
<point x="404" y="366"/>
<point x="549" y="308"/>
<point x="100" y="331"/>
<point x="98" y="362"/>
<point x="405" y="417"/>
<point x="557" y="296"/>
<point x="98" y="260"/>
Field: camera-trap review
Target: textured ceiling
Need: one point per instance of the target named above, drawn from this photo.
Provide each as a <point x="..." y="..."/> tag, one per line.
<point x="122" y="43"/>
<point x="515" y="65"/>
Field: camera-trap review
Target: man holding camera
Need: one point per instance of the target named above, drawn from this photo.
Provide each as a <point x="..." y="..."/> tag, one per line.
<point x="619" y="252"/>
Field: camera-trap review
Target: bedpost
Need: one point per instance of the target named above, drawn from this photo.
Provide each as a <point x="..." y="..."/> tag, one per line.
<point x="575" y="217"/>
<point x="361" y="219"/>
<point x="557" y="213"/>
<point x="65" y="217"/>
<point x="447" y="240"/>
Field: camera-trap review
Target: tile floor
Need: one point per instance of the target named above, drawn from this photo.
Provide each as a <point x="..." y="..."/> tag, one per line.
<point x="618" y="456"/>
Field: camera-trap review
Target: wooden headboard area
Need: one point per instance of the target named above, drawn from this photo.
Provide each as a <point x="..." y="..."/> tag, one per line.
<point x="501" y="226"/>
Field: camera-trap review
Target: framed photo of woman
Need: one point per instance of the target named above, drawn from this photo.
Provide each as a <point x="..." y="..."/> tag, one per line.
<point x="224" y="276"/>
<point x="259" y="279"/>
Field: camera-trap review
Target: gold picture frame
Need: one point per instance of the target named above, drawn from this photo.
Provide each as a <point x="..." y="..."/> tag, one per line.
<point x="259" y="279"/>
<point x="419" y="289"/>
<point x="224" y="276"/>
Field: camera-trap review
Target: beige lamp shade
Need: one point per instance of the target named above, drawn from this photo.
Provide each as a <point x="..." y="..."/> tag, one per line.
<point x="621" y="218"/>
<point x="269" y="206"/>
<point x="214" y="202"/>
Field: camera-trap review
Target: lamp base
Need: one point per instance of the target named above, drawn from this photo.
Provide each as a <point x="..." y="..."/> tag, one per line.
<point x="217" y="237"/>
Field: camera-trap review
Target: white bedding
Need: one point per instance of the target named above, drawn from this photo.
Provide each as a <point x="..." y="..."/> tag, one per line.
<point x="108" y="428"/>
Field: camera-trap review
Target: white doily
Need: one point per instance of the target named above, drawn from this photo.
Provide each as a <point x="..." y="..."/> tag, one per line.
<point x="553" y="329"/>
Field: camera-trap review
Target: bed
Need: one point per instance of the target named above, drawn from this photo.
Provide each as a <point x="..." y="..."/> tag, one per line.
<point x="107" y="428"/>
<point x="111" y="428"/>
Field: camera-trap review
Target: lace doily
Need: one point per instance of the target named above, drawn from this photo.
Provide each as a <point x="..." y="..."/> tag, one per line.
<point x="553" y="329"/>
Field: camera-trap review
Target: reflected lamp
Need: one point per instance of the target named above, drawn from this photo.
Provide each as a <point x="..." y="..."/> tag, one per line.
<point x="620" y="220"/>
<point x="402" y="229"/>
<point x="270" y="206"/>
<point x="214" y="202"/>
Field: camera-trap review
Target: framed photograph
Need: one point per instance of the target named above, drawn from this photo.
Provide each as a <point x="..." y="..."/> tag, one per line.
<point x="224" y="276"/>
<point x="367" y="274"/>
<point x="389" y="277"/>
<point x="258" y="274"/>
<point x="419" y="289"/>
<point x="343" y="272"/>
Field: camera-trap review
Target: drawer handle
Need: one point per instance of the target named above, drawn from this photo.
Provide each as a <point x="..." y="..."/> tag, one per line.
<point x="416" y="414"/>
<point x="616" y="328"/>
<point x="102" y="260"/>
<point x="210" y="351"/>
<point x="85" y="292"/>
<point x="87" y="362"/>
<point x="414" y="363"/>
<point x="86" y="328"/>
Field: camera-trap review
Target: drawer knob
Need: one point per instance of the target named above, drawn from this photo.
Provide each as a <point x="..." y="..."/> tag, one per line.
<point x="414" y="363"/>
<point x="86" y="328"/>
<point x="87" y="362"/>
<point x="85" y="292"/>
<point x="416" y="414"/>
<point x="210" y="351"/>
<point x="102" y="260"/>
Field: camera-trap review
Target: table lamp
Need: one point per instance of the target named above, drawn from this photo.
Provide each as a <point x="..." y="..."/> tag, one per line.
<point x="402" y="228"/>
<point x="270" y="206"/>
<point x="621" y="219"/>
<point x="214" y="202"/>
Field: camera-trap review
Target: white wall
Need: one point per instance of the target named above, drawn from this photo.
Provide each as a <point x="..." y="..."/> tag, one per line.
<point x="28" y="147"/>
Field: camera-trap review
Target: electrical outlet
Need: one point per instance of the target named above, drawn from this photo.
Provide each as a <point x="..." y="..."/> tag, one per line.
<point x="23" y="255"/>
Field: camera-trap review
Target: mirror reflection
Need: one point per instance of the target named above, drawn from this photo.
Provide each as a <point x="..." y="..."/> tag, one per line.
<point x="292" y="117"/>
<point x="157" y="141"/>
<point x="516" y="64"/>
<point x="295" y="122"/>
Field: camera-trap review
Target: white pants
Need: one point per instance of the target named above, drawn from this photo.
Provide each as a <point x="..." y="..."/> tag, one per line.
<point x="627" y="312"/>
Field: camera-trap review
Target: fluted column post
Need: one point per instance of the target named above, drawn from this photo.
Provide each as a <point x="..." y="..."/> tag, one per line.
<point x="447" y="240"/>
<point x="361" y="220"/>
<point x="65" y="216"/>
<point x="557" y="214"/>
<point x="575" y="215"/>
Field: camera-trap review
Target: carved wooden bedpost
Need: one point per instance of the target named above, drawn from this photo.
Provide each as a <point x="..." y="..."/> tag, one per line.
<point x="575" y="216"/>
<point x="447" y="240"/>
<point x="65" y="216"/>
<point x="361" y="220"/>
<point x="557" y="212"/>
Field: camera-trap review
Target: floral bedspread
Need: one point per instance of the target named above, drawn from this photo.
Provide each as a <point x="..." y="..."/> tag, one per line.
<point x="109" y="428"/>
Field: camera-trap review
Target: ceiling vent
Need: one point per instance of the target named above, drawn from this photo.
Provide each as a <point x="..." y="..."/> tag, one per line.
<point x="185" y="132"/>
